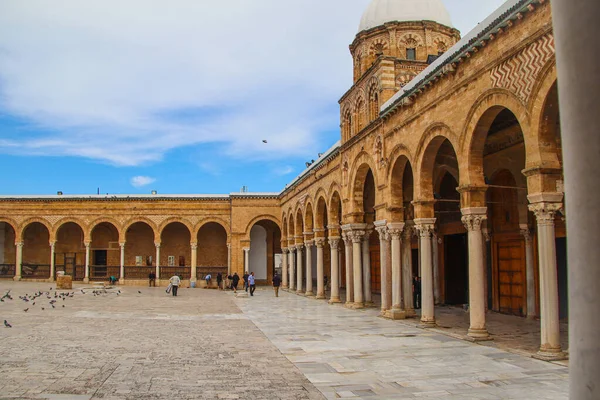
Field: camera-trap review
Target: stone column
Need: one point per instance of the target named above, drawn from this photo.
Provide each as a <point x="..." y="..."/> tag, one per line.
<point x="299" y="264"/>
<point x="157" y="244"/>
<point x="18" y="261"/>
<point x="357" y="237"/>
<point x="366" y="262"/>
<point x="436" y="267"/>
<point x="194" y="273"/>
<point x="247" y="259"/>
<point x="228" y="259"/>
<point x="309" y="275"/>
<point x="86" y="278"/>
<point x="407" y="288"/>
<point x="349" y="269"/>
<point x="550" y="348"/>
<point x="122" y="264"/>
<point x="395" y="230"/>
<point x="334" y="243"/>
<point x="386" y="274"/>
<point x="292" y="263"/>
<point x="320" y="242"/>
<point x="530" y="271"/>
<point x="575" y="26"/>
<point x="473" y="219"/>
<point x="284" y="268"/>
<point x="425" y="226"/>
<point x="52" y="260"/>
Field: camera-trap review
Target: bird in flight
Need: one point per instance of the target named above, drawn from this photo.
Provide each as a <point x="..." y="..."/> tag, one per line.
<point x="264" y="141"/>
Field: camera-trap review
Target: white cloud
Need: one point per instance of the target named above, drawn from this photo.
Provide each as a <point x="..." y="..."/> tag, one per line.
<point x="282" y="171"/>
<point x="125" y="82"/>
<point x="141" y="181"/>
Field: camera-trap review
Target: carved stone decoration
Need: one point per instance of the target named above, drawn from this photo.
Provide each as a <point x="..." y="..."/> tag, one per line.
<point x="545" y="212"/>
<point x="334" y="243"/>
<point x="53" y="219"/>
<point x="345" y="169"/>
<point x="425" y="227"/>
<point x="410" y="40"/>
<point x="157" y="219"/>
<point x="378" y="47"/>
<point x="384" y="233"/>
<point x="319" y="242"/>
<point x="473" y="222"/>
<point x="378" y="153"/>
<point x="518" y="74"/>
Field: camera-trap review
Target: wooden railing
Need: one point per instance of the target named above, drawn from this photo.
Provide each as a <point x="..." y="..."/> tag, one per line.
<point x="135" y="272"/>
<point x="182" y="272"/>
<point x="103" y="272"/>
<point x="201" y="272"/>
<point x="35" y="271"/>
<point x="7" y="270"/>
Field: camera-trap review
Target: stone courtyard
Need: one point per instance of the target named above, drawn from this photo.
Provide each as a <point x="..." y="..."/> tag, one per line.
<point x="208" y="344"/>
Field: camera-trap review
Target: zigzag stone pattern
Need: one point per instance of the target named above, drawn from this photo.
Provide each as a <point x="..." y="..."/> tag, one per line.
<point x="519" y="73"/>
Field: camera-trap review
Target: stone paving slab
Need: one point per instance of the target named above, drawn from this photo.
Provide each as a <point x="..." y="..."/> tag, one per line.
<point x="355" y="354"/>
<point x="132" y="345"/>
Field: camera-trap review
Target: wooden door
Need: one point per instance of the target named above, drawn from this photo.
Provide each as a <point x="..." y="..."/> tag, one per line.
<point x="511" y="278"/>
<point x="375" y="268"/>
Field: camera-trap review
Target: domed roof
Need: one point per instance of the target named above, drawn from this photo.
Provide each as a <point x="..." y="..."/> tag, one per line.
<point x="381" y="11"/>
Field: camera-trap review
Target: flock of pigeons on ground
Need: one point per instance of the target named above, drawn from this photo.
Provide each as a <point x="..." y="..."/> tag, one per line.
<point x="54" y="299"/>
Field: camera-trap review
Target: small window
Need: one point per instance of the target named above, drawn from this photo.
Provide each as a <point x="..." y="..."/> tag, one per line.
<point x="411" y="54"/>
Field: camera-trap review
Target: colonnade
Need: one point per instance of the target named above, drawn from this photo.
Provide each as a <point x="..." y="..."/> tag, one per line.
<point x="396" y="269"/>
<point x="87" y="244"/>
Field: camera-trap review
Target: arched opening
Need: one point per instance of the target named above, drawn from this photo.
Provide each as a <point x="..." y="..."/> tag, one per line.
<point x="300" y="267"/>
<point x="140" y="251"/>
<point x="321" y="224"/>
<point x="175" y="251"/>
<point x="69" y="252"/>
<point x="105" y="252"/>
<point x="7" y="251"/>
<point x="36" y="252"/>
<point x="212" y="250"/>
<point x="265" y="250"/>
<point x="335" y="217"/>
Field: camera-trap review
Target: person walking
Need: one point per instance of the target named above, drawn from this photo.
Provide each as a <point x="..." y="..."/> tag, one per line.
<point x="251" y="283"/>
<point x="219" y="280"/>
<point x="276" y="284"/>
<point x="245" y="276"/>
<point x="417" y="292"/>
<point x="175" y="281"/>
<point x="235" y="279"/>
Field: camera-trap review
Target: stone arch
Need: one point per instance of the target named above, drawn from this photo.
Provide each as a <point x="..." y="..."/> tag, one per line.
<point x="145" y="220"/>
<point x="257" y="219"/>
<point x="171" y="220"/>
<point x="12" y="223"/>
<point x="291" y="231"/>
<point x="363" y="163"/>
<point x="284" y="230"/>
<point x="397" y="152"/>
<point x="335" y="210"/>
<point x="397" y="196"/>
<point x="81" y="224"/>
<point x="347" y="126"/>
<point x="427" y="150"/>
<point x="542" y="151"/>
<point x="309" y="218"/>
<point x="360" y="111"/>
<point x="299" y="228"/>
<point x="25" y="224"/>
<point x="205" y="221"/>
<point x="107" y="220"/>
<point x="474" y="135"/>
<point x="321" y="211"/>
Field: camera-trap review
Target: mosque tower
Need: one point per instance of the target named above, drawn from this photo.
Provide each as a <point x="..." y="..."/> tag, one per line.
<point x="396" y="40"/>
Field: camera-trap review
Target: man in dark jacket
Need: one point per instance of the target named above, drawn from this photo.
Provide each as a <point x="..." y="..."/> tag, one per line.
<point x="276" y="284"/>
<point x="245" y="276"/>
<point x="234" y="282"/>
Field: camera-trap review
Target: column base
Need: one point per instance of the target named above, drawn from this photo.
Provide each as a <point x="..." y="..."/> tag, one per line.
<point x="348" y="304"/>
<point x="358" y="306"/>
<point x="369" y="304"/>
<point x="122" y="281"/>
<point x="427" y="323"/>
<point x="86" y="280"/>
<point x="309" y="294"/>
<point x="478" y="335"/>
<point x="410" y="313"/>
<point x="50" y="280"/>
<point x="299" y="292"/>
<point x="395" y="314"/>
<point x="335" y="300"/>
<point x="320" y="297"/>
<point x="551" y="355"/>
<point x="16" y="278"/>
<point x="284" y="287"/>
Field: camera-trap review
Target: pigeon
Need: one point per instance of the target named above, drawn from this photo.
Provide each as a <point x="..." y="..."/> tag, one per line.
<point x="139" y="292"/>
<point x="52" y="305"/>
<point x="50" y="288"/>
<point x="63" y="306"/>
<point x="27" y="309"/>
<point x="264" y="141"/>
<point x="33" y="304"/>
<point x="43" y="308"/>
<point x="6" y="324"/>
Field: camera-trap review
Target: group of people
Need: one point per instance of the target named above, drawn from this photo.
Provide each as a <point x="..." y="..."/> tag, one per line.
<point x="250" y="282"/>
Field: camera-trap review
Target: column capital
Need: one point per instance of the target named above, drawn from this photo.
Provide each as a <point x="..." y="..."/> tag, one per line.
<point x="157" y="244"/>
<point x="20" y="244"/>
<point x="425" y="226"/>
<point x="395" y="230"/>
<point x="309" y="243"/>
<point x="525" y="232"/>
<point x="384" y="233"/>
<point x="299" y="246"/>
<point x="246" y="249"/>
<point x="473" y="218"/>
<point x="229" y="245"/>
<point x="356" y="235"/>
<point x="284" y="250"/>
<point x="334" y="242"/>
<point x="545" y="212"/>
<point x="122" y="245"/>
<point x="291" y="249"/>
<point x="52" y="243"/>
<point x="87" y="243"/>
<point x="320" y="242"/>
<point x="194" y="245"/>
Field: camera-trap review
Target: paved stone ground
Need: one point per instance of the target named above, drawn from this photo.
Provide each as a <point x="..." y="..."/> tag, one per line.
<point x="134" y="345"/>
<point x="354" y="354"/>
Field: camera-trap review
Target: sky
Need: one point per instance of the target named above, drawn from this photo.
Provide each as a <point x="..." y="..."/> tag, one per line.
<point x="126" y="97"/>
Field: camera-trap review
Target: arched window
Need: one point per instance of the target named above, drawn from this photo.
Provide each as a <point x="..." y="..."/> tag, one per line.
<point x="374" y="105"/>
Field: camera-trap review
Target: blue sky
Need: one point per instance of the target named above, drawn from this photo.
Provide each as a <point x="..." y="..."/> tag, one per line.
<point x="176" y="96"/>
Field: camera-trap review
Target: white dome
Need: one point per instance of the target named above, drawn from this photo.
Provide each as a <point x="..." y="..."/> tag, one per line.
<point x="381" y="11"/>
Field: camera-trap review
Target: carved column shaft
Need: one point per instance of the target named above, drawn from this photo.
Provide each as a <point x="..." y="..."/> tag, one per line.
<point x="194" y="272"/>
<point x="426" y="228"/>
<point x="357" y="236"/>
<point x="284" y="268"/>
<point x="122" y="263"/>
<point x="157" y="272"/>
<point x="530" y="271"/>
<point x="386" y="286"/>
<point x="52" y="261"/>
<point x="300" y="267"/>
<point x="407" y="289"/>
<point x="86" y="278"/>
<point x="335" y="271"/>
<point x="309" y="271"/>
<point x="18" y="261"/>
<point x="349" y="269"/>
<point x="320" y="242"/>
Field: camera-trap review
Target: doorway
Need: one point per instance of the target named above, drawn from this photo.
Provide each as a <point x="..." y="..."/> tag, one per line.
<point x="456" y="269"/>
